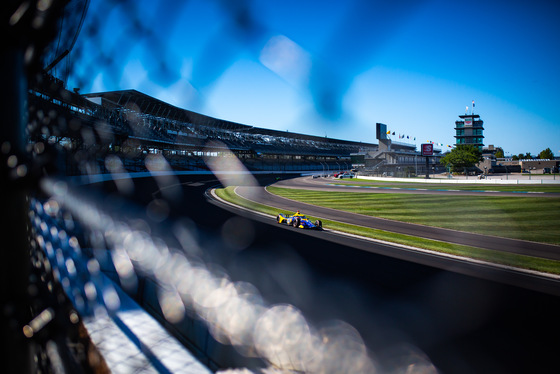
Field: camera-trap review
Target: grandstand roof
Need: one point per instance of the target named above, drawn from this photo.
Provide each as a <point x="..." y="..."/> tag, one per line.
<point x="134" y="100"/>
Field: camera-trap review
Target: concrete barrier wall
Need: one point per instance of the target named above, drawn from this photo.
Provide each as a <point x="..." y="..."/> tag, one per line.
<point x="473" y="180"/>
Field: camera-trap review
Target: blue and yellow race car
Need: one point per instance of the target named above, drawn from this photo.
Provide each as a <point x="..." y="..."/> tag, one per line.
<point x="299" y="220"/>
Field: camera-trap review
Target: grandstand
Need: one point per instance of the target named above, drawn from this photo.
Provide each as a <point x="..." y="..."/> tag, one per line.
<point x="133" y="125"/>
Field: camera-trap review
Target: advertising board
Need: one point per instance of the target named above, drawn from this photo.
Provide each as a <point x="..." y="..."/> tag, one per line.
<point x="427" y="149"/>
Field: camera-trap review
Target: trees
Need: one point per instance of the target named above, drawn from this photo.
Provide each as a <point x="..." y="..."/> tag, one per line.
<point x="522" y="156"/>
<point x="499" y="152"/>
<point x="461" y="157"/>
<point x="546" y="154"/>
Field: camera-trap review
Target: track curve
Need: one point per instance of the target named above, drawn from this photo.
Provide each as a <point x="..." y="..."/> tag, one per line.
<point x="309" y="183"/>
<point x="260" y="195"/>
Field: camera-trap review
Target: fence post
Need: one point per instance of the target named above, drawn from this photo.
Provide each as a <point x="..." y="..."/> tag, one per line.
<point x="14" y="253"/>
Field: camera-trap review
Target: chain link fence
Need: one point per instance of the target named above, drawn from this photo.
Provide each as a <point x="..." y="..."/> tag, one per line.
<point x="51" y="271"/>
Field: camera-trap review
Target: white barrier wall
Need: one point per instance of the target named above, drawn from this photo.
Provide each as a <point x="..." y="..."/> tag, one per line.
<point x="515" y="179"/>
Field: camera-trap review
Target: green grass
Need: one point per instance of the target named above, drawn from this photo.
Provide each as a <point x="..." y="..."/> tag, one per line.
<point x="549" y="188"/>
<point x="509" y="259"/>
<point x="520" y="217"/>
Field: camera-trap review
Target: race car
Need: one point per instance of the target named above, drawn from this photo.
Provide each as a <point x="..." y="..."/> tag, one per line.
<point x="299" y="220"/>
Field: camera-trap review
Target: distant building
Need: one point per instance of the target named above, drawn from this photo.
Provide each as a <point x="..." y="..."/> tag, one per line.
<point x="393" y="158"/>
<point x="501" y="165"/>
<point x="469" y="130"/>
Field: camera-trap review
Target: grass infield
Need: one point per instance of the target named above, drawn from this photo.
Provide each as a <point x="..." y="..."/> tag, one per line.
<point x="508" y="259"/>
<point x="555" y="188"/>
<point x="530" y="217"/>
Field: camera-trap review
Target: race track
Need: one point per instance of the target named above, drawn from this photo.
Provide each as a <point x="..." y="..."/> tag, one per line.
<point x="260" y="195"/>
<point x="336" y="185"/>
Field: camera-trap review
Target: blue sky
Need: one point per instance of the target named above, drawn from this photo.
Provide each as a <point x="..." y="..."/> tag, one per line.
<point x="336" y="68"/>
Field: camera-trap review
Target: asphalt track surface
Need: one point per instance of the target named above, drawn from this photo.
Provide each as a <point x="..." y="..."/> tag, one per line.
<point x="462" y="323"/>
<point x="327" y="184"/>
<point x="528" y="248"/>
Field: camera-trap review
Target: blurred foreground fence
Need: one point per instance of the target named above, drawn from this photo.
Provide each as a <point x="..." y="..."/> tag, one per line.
<point x="61" y="239"/>
<point x="57" y="242"/>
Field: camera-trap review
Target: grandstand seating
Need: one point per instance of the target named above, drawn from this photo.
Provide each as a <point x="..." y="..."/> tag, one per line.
<point x="181" y="136"/>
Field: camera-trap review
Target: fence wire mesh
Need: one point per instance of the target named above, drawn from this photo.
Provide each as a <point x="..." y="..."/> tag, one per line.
<point x="69" y="229"/>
